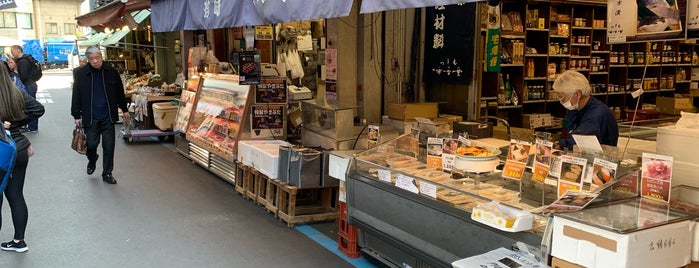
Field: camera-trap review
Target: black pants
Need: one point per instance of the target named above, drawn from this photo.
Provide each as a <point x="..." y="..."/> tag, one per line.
<point x="15" y="196"/>
<point x="103" y="129"/>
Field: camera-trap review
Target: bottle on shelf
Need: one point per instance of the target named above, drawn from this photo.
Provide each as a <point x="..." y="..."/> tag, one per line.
<point x="508" y="90"/>
<point x="501" y="90"/>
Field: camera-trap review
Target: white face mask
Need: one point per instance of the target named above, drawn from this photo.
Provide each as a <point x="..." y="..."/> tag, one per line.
<point x="569" y="105"/>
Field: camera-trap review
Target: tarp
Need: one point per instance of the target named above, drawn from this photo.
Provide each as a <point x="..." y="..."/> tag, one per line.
<point x="220" y="14"/>
<point x="168" y="15"/>
<point x="369" y="6"/>
<point x="175" y="15"/>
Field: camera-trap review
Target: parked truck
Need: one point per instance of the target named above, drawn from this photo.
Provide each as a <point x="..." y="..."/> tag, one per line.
<point x="58" y="55"/>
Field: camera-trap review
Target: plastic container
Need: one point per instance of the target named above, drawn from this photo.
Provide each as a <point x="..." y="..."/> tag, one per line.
<point x="164" y="115"/>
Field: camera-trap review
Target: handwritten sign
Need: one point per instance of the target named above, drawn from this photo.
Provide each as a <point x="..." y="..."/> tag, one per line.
<point x="406" y="183"/>
<point x="428" y="189"/>
<point x="385" y="175"/>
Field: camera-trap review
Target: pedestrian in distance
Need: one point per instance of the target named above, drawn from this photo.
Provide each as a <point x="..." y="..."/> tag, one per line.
<point x="82" y="61"/>
<point x="12" y="65"/>
<point x="25" y="65"/>
<point x="97" y="94"/>
<point x="18" y="108"/>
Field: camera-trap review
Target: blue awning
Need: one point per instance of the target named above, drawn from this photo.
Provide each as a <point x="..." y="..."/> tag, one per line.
<point x="175" y="15"/>
<point x="369" y="6"/>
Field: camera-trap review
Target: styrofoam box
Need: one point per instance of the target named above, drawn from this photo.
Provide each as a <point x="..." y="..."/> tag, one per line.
<point x="590" y="246"/>
<point x="245" y="147"/>
<point x="680" y="143"/>
<point x="266" y="161"/>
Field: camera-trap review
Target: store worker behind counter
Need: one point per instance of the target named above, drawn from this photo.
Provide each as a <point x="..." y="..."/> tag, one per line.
<point x="586" y="115"/>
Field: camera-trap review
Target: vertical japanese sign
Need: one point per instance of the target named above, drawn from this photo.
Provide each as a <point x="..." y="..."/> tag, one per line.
<point x="492" y="47"/>
<point x="331" y="76"/>
<point x="449" y="49"/>
<point x="656" y="176"/>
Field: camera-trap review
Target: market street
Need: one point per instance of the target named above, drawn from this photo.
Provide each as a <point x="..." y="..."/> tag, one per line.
<point x="164" y="212"/>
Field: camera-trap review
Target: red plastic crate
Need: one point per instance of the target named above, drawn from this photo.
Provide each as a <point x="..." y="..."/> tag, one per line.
<point x="348" y="247"/>
<point x="342" y="208"/>
<point x="346" y="230"/>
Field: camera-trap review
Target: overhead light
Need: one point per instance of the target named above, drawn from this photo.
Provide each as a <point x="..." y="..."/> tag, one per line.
<point x="107" y="30"/>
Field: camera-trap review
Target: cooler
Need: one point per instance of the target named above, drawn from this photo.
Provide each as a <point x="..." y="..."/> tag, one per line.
<point x="164" y="115"/>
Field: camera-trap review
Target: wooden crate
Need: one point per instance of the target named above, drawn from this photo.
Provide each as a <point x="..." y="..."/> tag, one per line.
<point x="296" y="205"/>
<point x="271" y="192"/>
<point x="249" y="184"/>
<point x="261" y="182"/>
<point x="241" y="171"/>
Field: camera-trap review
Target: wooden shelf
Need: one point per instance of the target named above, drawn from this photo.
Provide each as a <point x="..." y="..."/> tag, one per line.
<point x="537" y="30"/>
<point x="560" y="36"/>
<point x="511" y="65"/>
<point x="599" y="73"/>
<point x="535" y="78"/>
<point x="533" y="101"/>
<point x="504" y="107"/>
<point x="535" y="55"/>
<point x="600" y="52"/>
<point x="581" y="28"/>
<point x="580" y="45"/>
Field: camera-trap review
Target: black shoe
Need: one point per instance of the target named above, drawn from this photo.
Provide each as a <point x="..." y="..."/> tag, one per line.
<point x="109" y="179"/>
<point x="91" y="165"/>
<point x="14" y="246"/>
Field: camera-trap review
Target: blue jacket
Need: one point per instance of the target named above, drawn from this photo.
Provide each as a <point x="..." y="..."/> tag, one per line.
<point x="594" y="118"/>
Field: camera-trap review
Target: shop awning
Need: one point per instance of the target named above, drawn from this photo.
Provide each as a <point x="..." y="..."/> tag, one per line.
<point x="369" y="6"/>
<point x="175" y="15"/>
<point x="111" y="15"/>
<point x="94" y="39"/>
<point x="116" y="36"/>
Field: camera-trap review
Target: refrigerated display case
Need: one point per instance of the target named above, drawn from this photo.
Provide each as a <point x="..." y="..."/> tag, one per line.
<point x="215" y="124"/>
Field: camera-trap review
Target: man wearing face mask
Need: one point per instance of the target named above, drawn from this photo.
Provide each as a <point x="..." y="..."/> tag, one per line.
<point x="586" y="115"/>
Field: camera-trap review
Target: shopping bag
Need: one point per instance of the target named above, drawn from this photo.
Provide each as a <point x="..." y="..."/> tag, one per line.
<point x="7" y="157"/>
<point x="79" y="143"/>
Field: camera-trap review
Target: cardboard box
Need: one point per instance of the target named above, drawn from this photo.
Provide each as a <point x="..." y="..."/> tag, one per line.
<point x="408" y="111"/>
<point x="451" y="118"/>
<point x="558" y="263"/>
<point x="533" y="121"/>
<point x="436" y="126"/>
<point x="675" y="105"/>
<point x="475" y="130"/>
<point x="663" y="246"/>
<point x="401" y="126"/>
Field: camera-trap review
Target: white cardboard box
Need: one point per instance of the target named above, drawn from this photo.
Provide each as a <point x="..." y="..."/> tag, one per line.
<point x="594" y="247"/>
<point x="245" y="146"/>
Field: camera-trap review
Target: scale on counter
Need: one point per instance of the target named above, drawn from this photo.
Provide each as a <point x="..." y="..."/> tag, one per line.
<point x="299" y="93"/>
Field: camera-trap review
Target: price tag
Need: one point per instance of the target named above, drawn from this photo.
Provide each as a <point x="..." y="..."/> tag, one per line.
<point x="385" y="175"/>
<point x="428" y="189"/>
<point x="448" y="162"/>
<point x="406" y="183"/>
<point x="465" y="141"/>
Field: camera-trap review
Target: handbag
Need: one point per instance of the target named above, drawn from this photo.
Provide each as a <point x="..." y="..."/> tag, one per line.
<point x="79" y="143"/>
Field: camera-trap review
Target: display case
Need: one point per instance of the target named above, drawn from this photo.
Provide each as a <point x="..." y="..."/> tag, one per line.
<point x="218" y="115"/>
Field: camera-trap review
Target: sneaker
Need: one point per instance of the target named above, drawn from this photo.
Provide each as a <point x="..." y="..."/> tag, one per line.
<point x="14" y="246"/>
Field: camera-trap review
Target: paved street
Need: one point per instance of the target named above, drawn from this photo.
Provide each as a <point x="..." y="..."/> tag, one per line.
<point x="164" y="211"/>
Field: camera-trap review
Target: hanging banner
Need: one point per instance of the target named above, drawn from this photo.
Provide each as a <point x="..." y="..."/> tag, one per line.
<point x="492" y="47"/>
<point x="7" y="4"/>
<point x="449" y="44"/>
<point x="646" y="20"/>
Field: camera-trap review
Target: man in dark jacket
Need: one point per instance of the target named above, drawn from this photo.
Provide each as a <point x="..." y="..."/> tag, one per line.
<point x="24" y="66"/>
<point x="97" y="93"/>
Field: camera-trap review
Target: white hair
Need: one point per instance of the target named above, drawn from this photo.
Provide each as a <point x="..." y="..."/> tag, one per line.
<point x="570" y="82"/>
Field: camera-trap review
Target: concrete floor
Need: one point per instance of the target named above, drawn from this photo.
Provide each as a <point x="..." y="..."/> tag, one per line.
<point x="164" y="211"/>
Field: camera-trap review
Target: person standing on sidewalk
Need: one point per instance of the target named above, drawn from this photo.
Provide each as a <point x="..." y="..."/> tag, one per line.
<point x="97" y="93"/>
<point x="24" y="66"/>
<point x="17" y="107"/>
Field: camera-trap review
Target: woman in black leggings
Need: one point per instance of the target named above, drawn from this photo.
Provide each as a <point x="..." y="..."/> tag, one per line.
<point x="18" y="108"/>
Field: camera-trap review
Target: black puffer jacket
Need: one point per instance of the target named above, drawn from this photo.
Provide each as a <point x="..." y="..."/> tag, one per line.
<point x="33" y="109"/>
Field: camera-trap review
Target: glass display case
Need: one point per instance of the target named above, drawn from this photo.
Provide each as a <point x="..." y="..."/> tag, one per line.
<point x="218" y="116"/>
<point x="394" y="163"/>
<point x="335" y="123"/>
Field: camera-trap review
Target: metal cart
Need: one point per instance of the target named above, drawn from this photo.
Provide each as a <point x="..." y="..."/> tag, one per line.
<point x="129" y="131"/>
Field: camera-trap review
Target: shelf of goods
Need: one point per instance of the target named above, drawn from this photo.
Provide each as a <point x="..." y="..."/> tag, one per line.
<point x="392" y="197"/>
<point x="573" y="36"/>
<point x="217" y="117"/>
